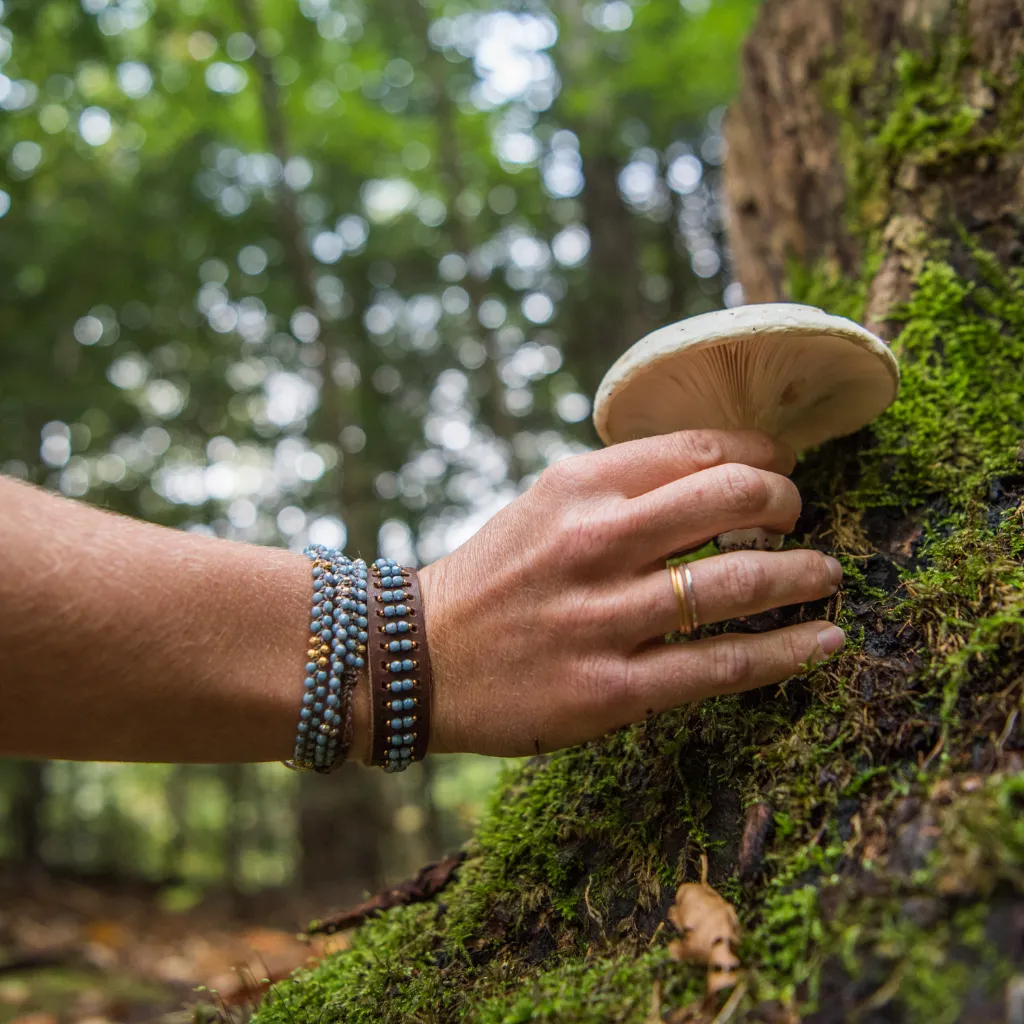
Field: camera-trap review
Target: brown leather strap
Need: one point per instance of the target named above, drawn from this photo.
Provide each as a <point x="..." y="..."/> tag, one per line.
<point x="397" y="675"/>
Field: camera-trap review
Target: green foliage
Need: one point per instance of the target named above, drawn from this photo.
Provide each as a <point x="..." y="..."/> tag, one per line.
<point x="274" y="270"/>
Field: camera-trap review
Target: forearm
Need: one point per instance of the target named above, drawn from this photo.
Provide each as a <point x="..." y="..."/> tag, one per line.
<point x="120" y="640"/>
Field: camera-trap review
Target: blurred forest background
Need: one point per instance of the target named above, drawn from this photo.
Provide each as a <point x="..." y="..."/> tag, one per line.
<point x="345" y="271"/>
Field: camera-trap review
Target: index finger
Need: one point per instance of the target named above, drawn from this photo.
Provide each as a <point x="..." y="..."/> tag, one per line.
<point x="632" y="468"/>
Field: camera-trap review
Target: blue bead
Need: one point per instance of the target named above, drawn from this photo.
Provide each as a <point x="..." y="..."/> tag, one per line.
<point x="333" y="700"/>
<point x="305" y="712"/>
<point x="401" y="610"/>
<point x="343" y="619"/>
<point x="398" y="594"/>
<point x="326" y="635"/>
<point x="321" y="741"/>
<point x="362" y="636"/>
<point x="318" y="708"/>
<point x="391" y="627"/>
<point x="406" y="645"/>
<point x="395" y="645"/>
<point x="310" y="667"/>
<point x="403" y="627"/>
<point x="328" y="715"/>
<point x="359" y="663"/>
<point x="308" y="698"/>
<point x="362" y="621"/>
<point x="352" y="631"/>
<point x="393" y="755"/>
<point x="408" y="704"/>
<point x="350" y="645"/>
<point x="396" y="723"/>
<point x="381" y="562"/>
<point x="318" y="584"/>
<point x="396" y="705"/>
<point x="314" y="626"/>
<point x="309" y="682"/>
<point x="407" y="722"/>
<point x="407" y="684"/>
<point x="321" y="692"/>
<point x="396" y="740"/>
<point x="407" y="666"/>
<point x="396" y="686"/>
<point x="395" y="666"/>
<point x="317" y="572"/>
<point x="350" y="659"/>
<point x="389" y="611"/>
<point x="386" y="596"/>
<point x="303" y="727"/>
<point x="329" y="592"/>
<point x="321" y="676"/>
<point x="328" y="606"/>
<point x="405" y="752"/>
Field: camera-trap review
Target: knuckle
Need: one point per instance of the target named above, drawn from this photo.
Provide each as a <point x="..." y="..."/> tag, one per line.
<point x="701" y="447"/>
<point x="746" y="580"/>
<point x="732" y="666"/>
<point x="573" y="475"/>
<point x="796" y="652"/>
<point x="744" y="488"/>
<point x="603" y="683"/>
<point x="588" y="531"/>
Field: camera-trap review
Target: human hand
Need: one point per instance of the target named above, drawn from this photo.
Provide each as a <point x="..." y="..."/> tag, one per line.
<point x="547" y="627"/>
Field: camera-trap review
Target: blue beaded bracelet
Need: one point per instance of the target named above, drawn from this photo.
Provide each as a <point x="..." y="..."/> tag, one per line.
<point x="335" y="657"/>
<point x="399" y="668"/>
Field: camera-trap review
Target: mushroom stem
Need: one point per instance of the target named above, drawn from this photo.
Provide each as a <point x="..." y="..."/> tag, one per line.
<point x="754" y="539"/>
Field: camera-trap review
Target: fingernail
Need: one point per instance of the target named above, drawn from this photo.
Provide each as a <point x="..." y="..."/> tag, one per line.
<point x="831" y="639"/>
<point x="835" y="570"/>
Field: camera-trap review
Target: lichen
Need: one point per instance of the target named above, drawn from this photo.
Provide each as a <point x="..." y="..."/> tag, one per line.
<point x="557" y="914"/>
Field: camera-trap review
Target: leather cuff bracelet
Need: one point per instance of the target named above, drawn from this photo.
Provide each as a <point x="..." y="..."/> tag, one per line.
<point x="399" y="663"/>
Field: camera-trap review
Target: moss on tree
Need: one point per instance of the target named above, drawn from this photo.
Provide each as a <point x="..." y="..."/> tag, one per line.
<point x="895" y="859"/>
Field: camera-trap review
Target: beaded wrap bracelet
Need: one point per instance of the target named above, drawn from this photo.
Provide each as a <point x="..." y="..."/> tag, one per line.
<point x="336" y="655"/>
<point x="399" y="668"/>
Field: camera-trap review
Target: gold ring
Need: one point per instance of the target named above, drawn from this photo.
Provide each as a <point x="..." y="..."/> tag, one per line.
<point x="682" y="584"/>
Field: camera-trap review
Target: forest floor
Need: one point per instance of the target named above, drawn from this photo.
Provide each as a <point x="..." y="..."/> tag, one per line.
<point x="115" y="952"/>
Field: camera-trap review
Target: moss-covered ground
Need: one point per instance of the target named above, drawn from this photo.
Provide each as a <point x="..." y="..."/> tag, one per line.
<point x="894" y="858"/>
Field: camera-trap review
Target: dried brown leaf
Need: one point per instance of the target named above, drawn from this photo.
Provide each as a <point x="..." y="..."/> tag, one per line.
<point x="710" y="932"/>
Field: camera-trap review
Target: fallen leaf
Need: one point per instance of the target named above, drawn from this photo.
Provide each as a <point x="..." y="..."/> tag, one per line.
<point x="710" y="932"/>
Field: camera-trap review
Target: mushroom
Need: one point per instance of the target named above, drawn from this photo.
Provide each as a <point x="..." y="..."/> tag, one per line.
<point x="795" y="372"/>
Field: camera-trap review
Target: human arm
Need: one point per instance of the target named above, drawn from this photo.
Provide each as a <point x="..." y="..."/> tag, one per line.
<point x="120" y="640"/>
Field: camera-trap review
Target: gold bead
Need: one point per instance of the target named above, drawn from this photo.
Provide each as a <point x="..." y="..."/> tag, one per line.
<point x="324" y="649"/>
<point x="322" y="662"/>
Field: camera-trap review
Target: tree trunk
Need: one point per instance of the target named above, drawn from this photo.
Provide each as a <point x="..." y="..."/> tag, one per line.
<point x="341" y="822"/>
<point x="866" y="818"/>
<point x="26" y="813"/>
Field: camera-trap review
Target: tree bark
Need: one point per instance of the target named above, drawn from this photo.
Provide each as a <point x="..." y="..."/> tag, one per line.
<point x="864" y="818"/>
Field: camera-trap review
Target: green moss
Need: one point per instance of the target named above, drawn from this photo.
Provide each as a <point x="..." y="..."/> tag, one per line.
<point x="556" y="913"/>
<point x="951" y="431"/>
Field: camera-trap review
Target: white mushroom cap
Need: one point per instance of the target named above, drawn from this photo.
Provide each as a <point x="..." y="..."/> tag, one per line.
<point x="795" y="372"/>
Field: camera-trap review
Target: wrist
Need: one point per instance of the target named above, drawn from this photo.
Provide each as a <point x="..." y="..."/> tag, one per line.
<point x="432" y="588"/>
